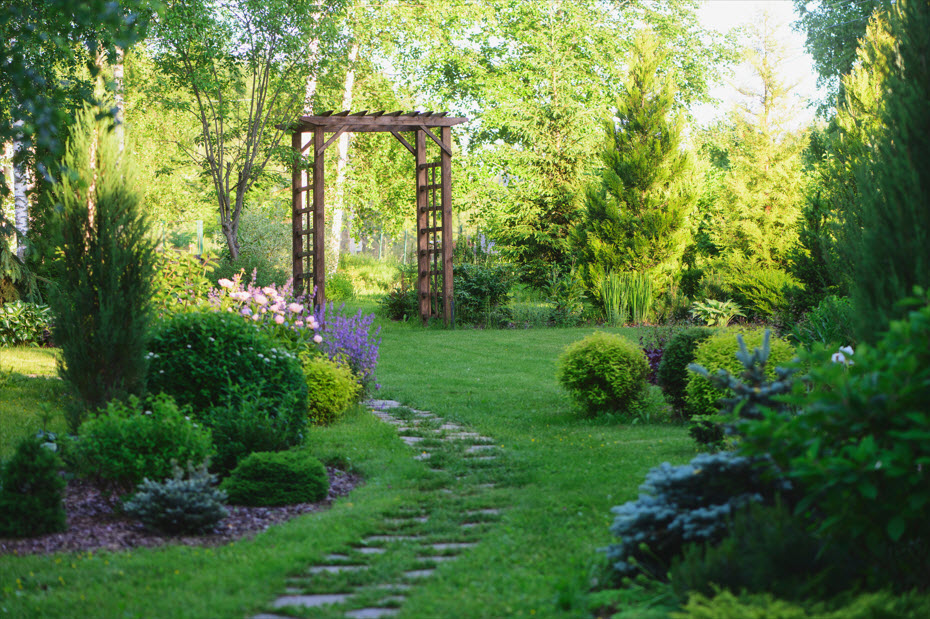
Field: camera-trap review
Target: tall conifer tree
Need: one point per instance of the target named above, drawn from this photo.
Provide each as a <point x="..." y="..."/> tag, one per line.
<point x="634" y="219"/>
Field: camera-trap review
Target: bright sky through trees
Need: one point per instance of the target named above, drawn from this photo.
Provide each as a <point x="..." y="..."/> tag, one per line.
<point x="724" y="15"/>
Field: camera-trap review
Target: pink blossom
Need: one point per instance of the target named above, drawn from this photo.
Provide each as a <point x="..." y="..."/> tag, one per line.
<point x="261" y="299"/>
<point x="299" y="323"/>
<point x="245" y="311"/>
<point x="225" y="283"/>
<point x="295" y="307"/>
<point x="279" y="319"/>
<point x="240" y="295"/>
<point x="318" y="339"/>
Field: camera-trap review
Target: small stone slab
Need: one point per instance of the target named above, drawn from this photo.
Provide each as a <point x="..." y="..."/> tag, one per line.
<point x="336" y="557"/>
<point x="267" y="616"/>
<point x="381" y="405"/>
<point x="491" y="511"/>
<point x="335" y="569"/>
<point x="451" y="426"/>
<point x="370" y="550"/>
<point x="411" y="440"/>
<point x="390" y="538"/>
<point x="439" y="558"/>
<point x="372" y="613"/>
<point x="392" y="586"/>
<point x="311" y="601"/>
<point x="473" y="449"/>
<point x="423" y="456"/>
<point x="419" y="573"/>
<point x="453" y="545"/>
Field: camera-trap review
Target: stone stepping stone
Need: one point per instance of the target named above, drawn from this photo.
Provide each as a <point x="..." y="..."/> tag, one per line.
<point x="372" y="613"/>
<point x="311" y="601"/>
<point x="335" y="569"/>
<point x="336" y="557"/>
<point x="491" y="511"/>
<point x="369" y="550"/>
<point x="414" y="574"/>
<point x="390" y="538"/>
<point x="479" y="449"/>
<point x="423" y="456"/>
<point x="393" y="586"/>
<point x="393" y="599"/>
<point x="438" y="558"/>
<point x="411" y="440"/>
<point x="407" y="519"/>
<point x="267" y="616"/>
<point x="453" y="545"/>
<point x="382" y="404"/>
<point x="451" y="426"/>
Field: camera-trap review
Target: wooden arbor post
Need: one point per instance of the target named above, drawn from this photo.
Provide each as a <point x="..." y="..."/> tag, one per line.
<point x="433" y="200"/>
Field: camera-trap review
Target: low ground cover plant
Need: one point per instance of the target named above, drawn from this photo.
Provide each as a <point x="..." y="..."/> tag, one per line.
<point x="603" y="373"/>
<point x="277" y="478"/>
<point x="24" y="323"/>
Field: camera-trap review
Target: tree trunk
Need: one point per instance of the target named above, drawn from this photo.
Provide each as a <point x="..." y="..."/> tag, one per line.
<point x="118" y="97"/>
<point x="339" y="194"/>
<point x="20" y="199"/>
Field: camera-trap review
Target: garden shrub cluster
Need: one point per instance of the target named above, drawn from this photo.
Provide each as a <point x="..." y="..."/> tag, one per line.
<point x="603" y="373"/>
<point x="31" y="491"/>
<point x="481" y="293"/>
<point x="718" y="352"/>
<point x="24" y="323"/>
<point x="134" y="439"/>
<point x="184" y="503"/>
<point x="672" y="374"/>
<point x="277" y="478"/>
<point x="331" y="388"/>
<point x="830" y="323"/>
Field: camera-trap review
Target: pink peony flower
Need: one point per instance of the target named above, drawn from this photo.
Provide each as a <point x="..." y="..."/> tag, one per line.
<point x="225" y="283"/>
<point x="295" y="307"/>
<point x="318" y="339"/>
<point x="261" y="299"/>
<point x="299" y="323"/>
<point x="279" y="319"/>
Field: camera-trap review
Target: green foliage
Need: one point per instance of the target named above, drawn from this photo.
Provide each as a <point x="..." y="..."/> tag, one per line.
<point x="104" y="270"/>
<point x="181" y="283"/>
<point x="132" y="440"/>
<point x="860" y="447"/>
<point x="31" y="492"/>
<point x="367" y="274"/>
<point x="331" y="387"/>
<point x="282" y="478"/>
<point x="893" y="255"/>
<point x="200" y="357"/>
<point x="247" y="420"/>
<point x="672" y="374"/>
<point x="726" y="605"/>
<point x="634" y="219"/>
<point x="401" y="302"/>
<point x="719" y="352"/>
<point x="707" y="431"/>
<point x="760" y="290"/>
<point x="604" y="373"/>
<point x="252" y="266"/>
<point x="767" y="550"/>
<point x="681" y="505"/>
<point x="24" y="323"/>
<point x="830" y="324"/>
<point x="481" y="292"/>
<point x="626" y="296"/>
<point x="180" y="504"/>
<point x="339" y="288"/>
<point x="716" y="313"/>
<point x="564" y="292"/>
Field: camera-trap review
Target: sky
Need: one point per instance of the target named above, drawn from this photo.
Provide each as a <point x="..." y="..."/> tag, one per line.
<point x="723" y="15"/>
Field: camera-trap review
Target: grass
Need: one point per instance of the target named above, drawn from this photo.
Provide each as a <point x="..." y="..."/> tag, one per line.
<point x="562" y="476"/>
<point x="28" y="404"/>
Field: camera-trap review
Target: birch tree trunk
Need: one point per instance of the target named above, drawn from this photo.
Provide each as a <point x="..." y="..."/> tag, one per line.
<point x="339" y="195"/>
<point x="20" y="199"/>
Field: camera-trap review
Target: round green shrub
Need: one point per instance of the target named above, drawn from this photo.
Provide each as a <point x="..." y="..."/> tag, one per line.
<point x="672" y="374"/>
<point x="198" y="358"/>
<point x="603" y="373"/>
<point x="248" y="422"/>
<point x="718" y="352"/>
<point x="277" y="478"/>
<point x="31" y="492"/>
<point x="331" y="387"/>
<point x="132" y="440"/>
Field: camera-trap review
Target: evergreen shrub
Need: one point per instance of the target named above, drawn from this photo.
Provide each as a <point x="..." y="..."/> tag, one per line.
<point x="331" y="388"/>
<point x="718" y="352"/>
<point x="248" y="421"/>
<point x="180" y="504"/>
<point x="830" y="323"/>
<point x="198" y="358"/>
<point x="31" y="492"/>
<point x="726" y="605"/>
<point x="672" y="374"/>
<point x="281" y="478"/>
<point x="680" y="505"/>
<point x="604" y="373"/>
<point x="131" y="440"/>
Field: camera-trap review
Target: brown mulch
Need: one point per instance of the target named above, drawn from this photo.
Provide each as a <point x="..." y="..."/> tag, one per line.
<point x="93" y="525"/>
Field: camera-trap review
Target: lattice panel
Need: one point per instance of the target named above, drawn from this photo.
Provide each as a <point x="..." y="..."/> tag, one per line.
<point x="430" y="236"/>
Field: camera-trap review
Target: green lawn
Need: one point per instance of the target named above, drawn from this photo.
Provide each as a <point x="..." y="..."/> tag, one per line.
<point x="561" y="477"/>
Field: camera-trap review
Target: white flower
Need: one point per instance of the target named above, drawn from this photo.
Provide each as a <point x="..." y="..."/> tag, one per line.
<point x="846" y="350"/>
<point x="295" y="307"/>
<point x="225" y="283"/>
<point x="838" y="358"/>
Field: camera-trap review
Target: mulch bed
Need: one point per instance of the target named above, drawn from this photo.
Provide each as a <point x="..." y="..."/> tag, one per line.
<point x="93" y="525"/>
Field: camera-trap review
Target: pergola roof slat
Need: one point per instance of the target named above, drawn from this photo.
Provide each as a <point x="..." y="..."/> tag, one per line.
<point x="375" y="121"/>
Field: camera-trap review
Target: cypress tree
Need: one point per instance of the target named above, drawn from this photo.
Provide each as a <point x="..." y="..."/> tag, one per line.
<point x="892" y="253"/>
<point x="103" y="271"/>
<point x="634" y="219"/>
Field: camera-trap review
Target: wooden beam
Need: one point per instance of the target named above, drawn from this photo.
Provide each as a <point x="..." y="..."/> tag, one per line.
<point x="445" y="171"/>
<point x="319" y="206"/>
<point x="333" y="138"/>
<point x="297" y="263"/>
<point x="446" y="149"/>
<point x="404" y="142"/>
<point x="423" y="266"/>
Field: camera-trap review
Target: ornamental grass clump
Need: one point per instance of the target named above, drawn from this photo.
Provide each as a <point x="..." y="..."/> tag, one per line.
<point x="604" y="373"/>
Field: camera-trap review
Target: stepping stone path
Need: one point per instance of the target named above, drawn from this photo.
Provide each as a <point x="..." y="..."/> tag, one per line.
<point x="344" y="586"/>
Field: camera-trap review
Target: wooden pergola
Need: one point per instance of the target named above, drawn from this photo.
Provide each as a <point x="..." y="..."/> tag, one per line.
<point x="434" y="199"/>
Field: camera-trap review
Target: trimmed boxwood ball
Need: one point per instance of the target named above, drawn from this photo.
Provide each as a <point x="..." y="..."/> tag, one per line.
<point x="603" y="373"/>
<point x="331" y="388"/>
<point x="673" y="374"/>
<point x="277" y="478"/>
<point x="718" y="352"/>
